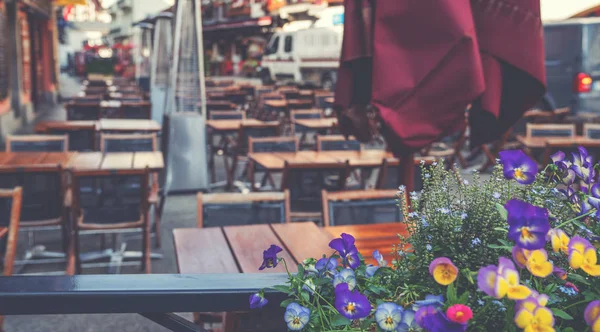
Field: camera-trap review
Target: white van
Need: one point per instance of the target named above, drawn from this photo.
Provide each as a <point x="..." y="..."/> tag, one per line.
<point x="310" y="55"/>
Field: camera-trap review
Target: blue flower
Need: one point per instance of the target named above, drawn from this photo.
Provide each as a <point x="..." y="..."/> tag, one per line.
<point x="413" y="214"/>
<point x="408" y="322"/>
<point x="476" y="241"/>
<point x="444" y="210"/>
<point x="351" y="304"/>
<point x="465" y="182"/>
<point x="345" y="276"/>
<point x="496" y="195"/>
<point x="379" y="258"/>
<point x="428" y="247"/>
<point x="345" y="246"/>
<point x="402" y="188"/>
<point x="567" y="290"/>
<point x="500" y="305"/>
<point x="388" y="316"/>
<point x="431" y="300"/>
<point x="464" y="216"/>
<point x="426" y="175"/>
<point x="480" y="302"/>
<point x="424" y="222"/>
<point x="370" y="270"/>
<point x="296" y="316"/>
<point x="257" y="300"/>
<point x="327" y="264"/>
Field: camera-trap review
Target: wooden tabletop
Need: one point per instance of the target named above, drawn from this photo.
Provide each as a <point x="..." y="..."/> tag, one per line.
<point x="233" y="125"/>
<point x="239" y="249"/>
<point x="88" y="161"/>
<point x="276" y="103"/>
<point x="47" y="126"/>
<point x="128" y="125"/>
<point x="34" y="161"/>
<point x="539" y="142"/>
<point x="316" y="124"/>
<point x="275" y="161"/>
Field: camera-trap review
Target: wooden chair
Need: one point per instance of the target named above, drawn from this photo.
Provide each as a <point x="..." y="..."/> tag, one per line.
<point x="10" y="204"/>
<point x="37" y="143"/>
<point x="337" y="143"/>
<point x="550" y="130"/>
<point x="227" y="115"/>
<point x="360" y="207"/>
<point x="136" y="109"/>
<point x="305" y="182"/>
<point x="83" y="110"/>
<point x="304" y="114"/>
<point x="591" y="131"/>
<point x="115" y="209"/>
<point x="138" y="143"/>
<point x="268" y="144"/>
<point x="81" y="136"/>
<point x="232" y="209"/>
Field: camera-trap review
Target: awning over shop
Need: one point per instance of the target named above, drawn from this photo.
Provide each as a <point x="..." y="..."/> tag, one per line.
<point x="260" y="22"/>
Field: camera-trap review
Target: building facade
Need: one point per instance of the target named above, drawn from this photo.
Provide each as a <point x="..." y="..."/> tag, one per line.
<point x="28" y="61"/>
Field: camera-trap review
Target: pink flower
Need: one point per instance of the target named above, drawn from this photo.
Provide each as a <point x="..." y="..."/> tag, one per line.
<point x="571" y="285"/>
<point x="459" y="313"/>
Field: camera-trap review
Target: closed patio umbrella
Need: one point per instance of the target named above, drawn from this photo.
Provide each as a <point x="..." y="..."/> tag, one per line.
<point x="413" y="67"/>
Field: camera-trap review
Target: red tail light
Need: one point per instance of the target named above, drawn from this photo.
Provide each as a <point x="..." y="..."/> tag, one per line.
<point x="583" y="83"/>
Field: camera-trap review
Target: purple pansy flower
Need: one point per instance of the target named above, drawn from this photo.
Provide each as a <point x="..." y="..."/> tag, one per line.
<point x="351" y="304"/>
<point x="388" y="316"/>
<point x="582" y="165"/>
<point x="432" y="319"/>
<point x="345" y="246"/>
<point x="257" y="300"/>
<point x="370" y="270"/>
<point x="270" y="257"/>
<point x="517" y="165"/>
<point x="528" y="224"/>
<point x="592" y="313"/>
<point x="408" y="322"/>
<point x="594" y="198"/>
<point x="436" y="301"/>
<point x="345" y="276"/>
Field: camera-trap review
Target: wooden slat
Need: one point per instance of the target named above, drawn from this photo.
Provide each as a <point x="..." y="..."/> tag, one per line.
<point x="249" y="242"/>
<point x="203" y="251"/>
<point x="304" y="240"/>
<point x="317" y="124"/>
<point x="153" y="160"/>
<point x="224" y="125"/>
<point x="24" y="158"/>
<point x="86" y="161"/>
<point x="117" y="161"/>
<point x="57" y="158"/>
<point x="361" y="194"/>
<point x="126" y="125"/>
<point x="242" y="198"/>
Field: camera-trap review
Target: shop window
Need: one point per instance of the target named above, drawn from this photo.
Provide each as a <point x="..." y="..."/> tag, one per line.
<point x="287" y="47"/>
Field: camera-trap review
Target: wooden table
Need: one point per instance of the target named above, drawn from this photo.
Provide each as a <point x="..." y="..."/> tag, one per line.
<point x="117" y="161"/>
<point x="54" y="126"/>
<point x="34" y="161"/>
<point x="239" y="249"/>
<point x="317" y="124"/>
<point x="549" y="144"/>
<point x="275" y="161"/>
<point x="128" y="126"/>
<point x="235" y="125"/>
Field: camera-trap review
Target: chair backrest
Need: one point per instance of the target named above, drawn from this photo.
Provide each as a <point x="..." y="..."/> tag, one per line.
<point x="227" y="115"/>
<point x="550" y="130"/>
<point x="299" y="104"/>
<point x="246" y="132"/>
<point x="306" y="114"/>
<point x="83" y="110"/>
<point x="337" y="143"/>
<point x="104" y="199"/>
<point x="43" y="192"/>
<point x="37" y="143"/>
<point x="10" y="216"/>
<point x="320" y="97"/>
<point x="591" y="130"/>
<point x="305" y="182"/>
<point x="136" y="109"/>
<point x="360" y="207"/>
<point x="272" y="144"/>
<point x="128" y="142"/>
<point x="229" y="209"/>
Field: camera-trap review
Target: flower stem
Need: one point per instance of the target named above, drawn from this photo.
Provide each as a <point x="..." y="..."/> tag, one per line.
<point x="574" y="304"/>
<point x="576" y="218"/>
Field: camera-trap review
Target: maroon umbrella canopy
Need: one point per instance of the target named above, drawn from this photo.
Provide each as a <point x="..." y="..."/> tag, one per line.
<point x="421" y="63"/>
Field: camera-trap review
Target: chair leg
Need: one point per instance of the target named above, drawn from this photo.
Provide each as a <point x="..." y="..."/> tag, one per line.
<point x="77" y="253"/>
<point x="146" y="267"/>
<point x="157" y="216"/>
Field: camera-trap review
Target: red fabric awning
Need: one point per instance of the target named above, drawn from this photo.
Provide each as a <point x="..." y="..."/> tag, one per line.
<point x="429" y="60"/>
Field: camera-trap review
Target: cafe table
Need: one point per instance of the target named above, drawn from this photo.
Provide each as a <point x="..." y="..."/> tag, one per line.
<point x="117" y="161"/>
<point x="128" y="126"/>
<point x="321" y="124"/>
<point x="239" y="249"/>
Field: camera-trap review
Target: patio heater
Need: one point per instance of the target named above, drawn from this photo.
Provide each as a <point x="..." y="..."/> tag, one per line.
<point x="184" y="125"/>
<point x="162" y="48"/>
<point x="143" y="59"/>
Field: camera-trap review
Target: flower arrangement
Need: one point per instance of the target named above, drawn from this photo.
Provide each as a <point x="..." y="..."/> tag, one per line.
<point x="515" y="251"/>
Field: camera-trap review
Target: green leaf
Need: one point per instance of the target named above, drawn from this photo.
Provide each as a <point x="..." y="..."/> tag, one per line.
<point x="285" y="303"/>
<point x="589" y="295"/>
<point x="300" y="270"/>
<point x="451" y="294"/>
<point x="577" y="278"/>
<point x="500" y="229"/>
<point x="464" y="298"/>
<point x="568" y="329"/>
<point x="376" y="289"/>
<point x="281" y="288"/>
<point x="305" y="296"/>
<point x="502" y="211"/>
<point x="561" y="314"/>
<point x="340" y="320"/>
<point x="495" y="246"/>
